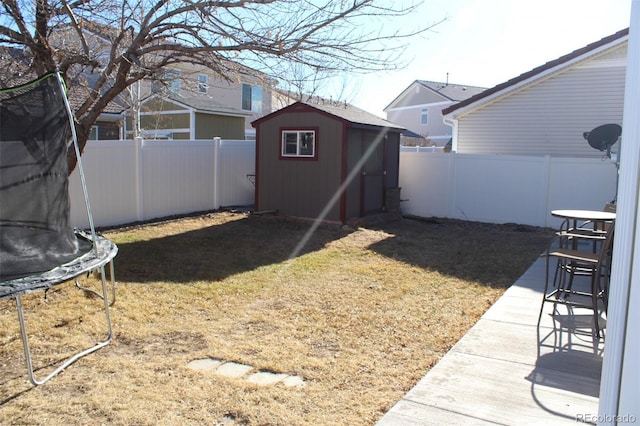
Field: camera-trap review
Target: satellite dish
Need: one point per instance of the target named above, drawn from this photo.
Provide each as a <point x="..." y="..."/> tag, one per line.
<point x="602" y="137"/>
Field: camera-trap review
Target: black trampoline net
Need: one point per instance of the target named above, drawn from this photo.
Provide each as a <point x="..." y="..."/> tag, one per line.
<point x="35" y="234"/>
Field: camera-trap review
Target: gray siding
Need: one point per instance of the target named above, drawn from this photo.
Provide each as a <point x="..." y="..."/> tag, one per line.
<point x="300" y="187"/>
<point x="418" y="95"/>
<point x="354" y="153"/>
<point x="550" y="116"/>
<point x="392" y="160"/>
<point x="410" y="117"/>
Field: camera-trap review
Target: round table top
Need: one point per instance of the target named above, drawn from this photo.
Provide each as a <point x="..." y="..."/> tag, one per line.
<point x="584" y="214"/>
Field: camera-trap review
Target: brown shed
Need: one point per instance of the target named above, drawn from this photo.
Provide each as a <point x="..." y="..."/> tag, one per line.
<point x="326" y="160"/>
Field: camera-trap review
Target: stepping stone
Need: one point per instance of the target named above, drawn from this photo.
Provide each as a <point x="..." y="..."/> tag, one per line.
<point x="204" y="364"/>
<point x="237" y="371"/>
<point x="265" y="378"/>
<point x="293" y="381"/>
<point x="233" y="369"/>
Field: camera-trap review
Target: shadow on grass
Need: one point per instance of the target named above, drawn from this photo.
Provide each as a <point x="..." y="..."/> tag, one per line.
<point x="489" y="254"/>
<point x="216" y="252"/>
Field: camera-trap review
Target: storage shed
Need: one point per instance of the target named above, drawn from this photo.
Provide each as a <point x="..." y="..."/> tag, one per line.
<point x="326" y="160"/>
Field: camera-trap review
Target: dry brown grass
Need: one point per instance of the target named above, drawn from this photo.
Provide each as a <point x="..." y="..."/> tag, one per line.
<point x="360" y="315"/>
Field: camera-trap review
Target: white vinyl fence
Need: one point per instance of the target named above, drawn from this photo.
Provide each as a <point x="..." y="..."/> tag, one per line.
<point x="130" y="181"/>
<point x="502" y="188"/>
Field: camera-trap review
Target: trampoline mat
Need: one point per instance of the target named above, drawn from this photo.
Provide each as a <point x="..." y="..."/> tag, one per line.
<point x="90" y="256"/>
<point x="30" y="251"/>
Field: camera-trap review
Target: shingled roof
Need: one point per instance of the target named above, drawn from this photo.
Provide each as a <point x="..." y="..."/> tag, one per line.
<point x="537" y="71"/>
<point x="205" y="105"/>
<point x="340" y="110"/>
<point x="453" y="92"/>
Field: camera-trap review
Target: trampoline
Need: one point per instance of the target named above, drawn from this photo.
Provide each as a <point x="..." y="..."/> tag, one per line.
<point x="39" y="248"/>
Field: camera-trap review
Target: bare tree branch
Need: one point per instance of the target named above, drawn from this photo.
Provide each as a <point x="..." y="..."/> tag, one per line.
<point x="105" y="46"/>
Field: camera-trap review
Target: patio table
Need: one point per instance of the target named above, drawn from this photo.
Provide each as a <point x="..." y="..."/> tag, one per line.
<point x="570" y="228"/>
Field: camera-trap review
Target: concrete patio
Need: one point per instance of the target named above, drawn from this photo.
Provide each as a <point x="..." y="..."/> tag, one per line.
<point x="506" y="370"/>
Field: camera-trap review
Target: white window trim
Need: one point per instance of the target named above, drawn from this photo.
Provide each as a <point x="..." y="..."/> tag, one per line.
<point x="424" y="113"/>
<point x="253" y="88"/>
<point x="203" y="85"/>
<point x="298" y="143"/>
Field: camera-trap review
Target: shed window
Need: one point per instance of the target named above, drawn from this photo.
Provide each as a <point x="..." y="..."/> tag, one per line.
<point x="298" y="143"/>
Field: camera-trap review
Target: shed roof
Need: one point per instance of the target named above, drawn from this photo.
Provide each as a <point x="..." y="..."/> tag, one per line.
<point x="539" y="71"/>
<point x="350" y="114"/>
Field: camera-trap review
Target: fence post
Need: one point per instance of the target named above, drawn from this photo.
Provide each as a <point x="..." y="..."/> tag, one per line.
<point x="453" y="183"/>
<point x="546" y="182"/>
<point x="138" y="145"/>
<point x="216" y="172"/>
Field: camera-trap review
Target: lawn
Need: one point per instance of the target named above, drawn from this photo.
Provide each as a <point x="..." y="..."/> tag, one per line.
<point x="360" y="315"/>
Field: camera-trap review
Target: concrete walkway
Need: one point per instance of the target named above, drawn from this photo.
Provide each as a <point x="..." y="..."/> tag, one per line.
<point x="506" y="370"/>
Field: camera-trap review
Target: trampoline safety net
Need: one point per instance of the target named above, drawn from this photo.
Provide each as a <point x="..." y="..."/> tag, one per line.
<point x="35" y="234"/>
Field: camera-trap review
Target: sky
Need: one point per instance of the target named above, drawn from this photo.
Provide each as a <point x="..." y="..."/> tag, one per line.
<point x="487" y="42"/>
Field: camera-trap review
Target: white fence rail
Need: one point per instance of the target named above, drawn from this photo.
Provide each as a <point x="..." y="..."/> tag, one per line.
<point x="502" y="188"/>
<point x="131" y="181"/>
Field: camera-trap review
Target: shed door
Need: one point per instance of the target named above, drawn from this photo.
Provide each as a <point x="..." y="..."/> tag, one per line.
<point x="372" y="174"/>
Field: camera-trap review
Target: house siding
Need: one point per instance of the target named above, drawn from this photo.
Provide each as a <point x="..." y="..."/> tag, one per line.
<point x="418" y="95"/>
<point x="166" y="122"/>
<point x="300" y="187"/>
<point x="156" y="105"/>
<point x="409" y="118"/>
<point x="549" y="117"/>
<point x="210" y="126"/>
<point x="406" y="109"/>
<point x="230" y="93"/>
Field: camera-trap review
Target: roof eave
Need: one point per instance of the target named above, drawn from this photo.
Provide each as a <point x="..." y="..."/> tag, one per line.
<point x="192" y="108"/>
<point x="400" y="95"/>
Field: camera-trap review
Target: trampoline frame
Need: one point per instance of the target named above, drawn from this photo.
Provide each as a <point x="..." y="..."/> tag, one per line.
<point x="102" y="253"/>
<point x="106" y="251"/>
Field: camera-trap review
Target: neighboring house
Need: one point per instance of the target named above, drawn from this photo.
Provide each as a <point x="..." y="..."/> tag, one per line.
<point x="110" y="123"/>
<point x="419" y="109"/>
<point x="188" y="118"/>
<point x="185" y="101"/>
<point x="196" y="103"/>
<point x="547" y="110"/>
<point x="13" y="62"/>
<point x="326" y="157"/>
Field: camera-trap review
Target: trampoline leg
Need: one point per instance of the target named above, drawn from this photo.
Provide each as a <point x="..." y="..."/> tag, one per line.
<point x="112" y="274"/>
<point x="72" y="359"/>
<point x="25" y="339"/>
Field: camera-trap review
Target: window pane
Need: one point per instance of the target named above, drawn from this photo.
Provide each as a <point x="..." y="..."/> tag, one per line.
<point x="246" y="97"/>
<point x="256" y="98"/>
<point x="202" y="83"/>
<point x="307" y="143"/>
<point x="173" y="80"/>
<point x="424" y="117"/>
<point x="290" y="143"/>
<point x="156" y="86"/>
